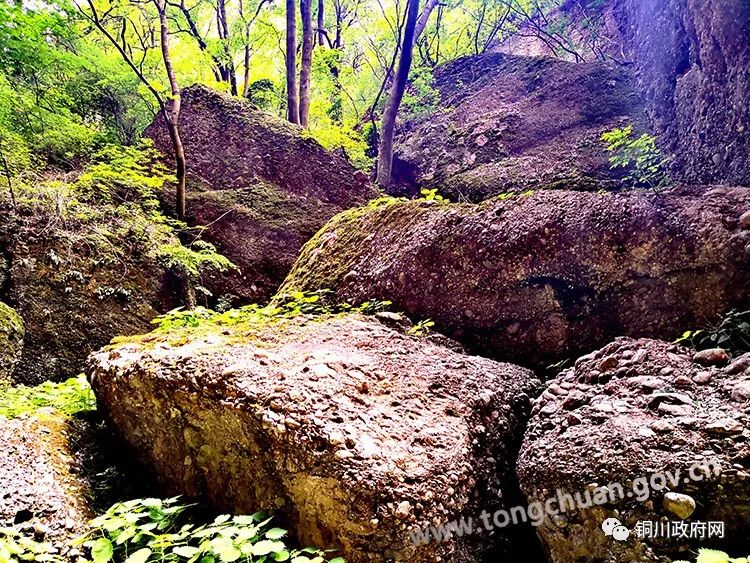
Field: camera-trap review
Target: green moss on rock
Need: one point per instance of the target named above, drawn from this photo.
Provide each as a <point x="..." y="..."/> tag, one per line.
<point x="11" y="341"/>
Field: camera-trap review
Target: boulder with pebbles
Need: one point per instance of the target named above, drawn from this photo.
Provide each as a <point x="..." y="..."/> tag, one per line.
<point x="353" y="433"/>
<point x="258" y="186"/>
<point x="11" y="341"/>
<point x="535" y="279"/>
<point x="662" y="423"/>
<point x="77" y="283"/>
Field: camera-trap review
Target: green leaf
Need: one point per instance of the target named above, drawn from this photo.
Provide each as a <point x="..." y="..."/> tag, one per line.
<point x="140" y="556"/>
<point x="223" y="518"/>
<point x="712" y="556"/>
<point x="276" y="533"/>
<point x="186" y="551"/>
<point x="102" y="551"/>
<point x="265" y="547"/>
<point x="280" y="555"/>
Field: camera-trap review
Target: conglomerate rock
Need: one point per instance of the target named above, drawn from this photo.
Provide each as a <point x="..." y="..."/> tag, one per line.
<point x="352" y="432"/>
<point x="540" y="278"/>
<point x="641" y="414"/>
<point x="259" y="186"/>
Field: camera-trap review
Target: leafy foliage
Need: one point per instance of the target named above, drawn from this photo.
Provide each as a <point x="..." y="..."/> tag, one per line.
<point x="191" y="261"/>
<point x="152" y="529"/>
<point x="282" y="307"/>
<point x="640" y="155"/>
<point x="422" y="328"/>
<point x="715" y="556"/>
<point x="69" y="397"/>
<point x="16" y="547"/>
<point x="732" y="333"/>
<point x="433" y="195"/>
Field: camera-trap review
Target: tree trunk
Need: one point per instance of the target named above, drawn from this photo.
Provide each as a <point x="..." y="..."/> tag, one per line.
<point x="424" y="17"/>
<point x="306" y="67"/>
<point x="292" y="101"/>
<point x="172" y="110"/>
<point x="321" y="22"/>
<point x="385" y="150"/>
<point x="227" y="64"/>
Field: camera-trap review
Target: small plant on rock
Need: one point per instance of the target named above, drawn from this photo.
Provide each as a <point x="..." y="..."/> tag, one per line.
<point x="732" y="333"/>
<point x="648" y="168"/>
<point x="433" y="195"/>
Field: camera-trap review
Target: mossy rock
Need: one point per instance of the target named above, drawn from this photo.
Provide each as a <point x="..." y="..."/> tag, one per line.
<point x="11" y="341"/>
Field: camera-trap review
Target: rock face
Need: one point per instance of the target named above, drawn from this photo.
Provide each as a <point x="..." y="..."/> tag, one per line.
<point x="40" y="487"/>
<point x="352" y="431"/>
<point x="693" y="63"/>
<point x="642" y="414"/>
<point x="76" y="291"/>
<point x="11" y="341"/>
<point x="692" y="60"/>
<point x="259" y="186"/>
<point x="511" y="123"/>
<point x="539" y="278"/>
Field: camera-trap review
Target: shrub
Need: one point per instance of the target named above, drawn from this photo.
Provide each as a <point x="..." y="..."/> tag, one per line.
<point x="640" y="155"/>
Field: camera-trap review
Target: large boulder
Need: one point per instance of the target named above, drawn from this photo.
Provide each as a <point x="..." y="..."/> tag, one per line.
<point x="351" y="432"/>
<point x="260" y="187"/>
<point x="535" y="279"/>
<point x="77" y="283"/>
<point x="507" y="123"/>
<point x="11" y="341"/>
<point x="665" y="430"/>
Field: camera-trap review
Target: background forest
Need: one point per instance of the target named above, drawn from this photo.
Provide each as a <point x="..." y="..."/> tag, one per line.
<point x="79" y="75"/>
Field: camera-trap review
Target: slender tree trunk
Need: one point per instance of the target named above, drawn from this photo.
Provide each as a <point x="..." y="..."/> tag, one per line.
<point x="292" y="101"/>
<point x="321" y="22"/>
<point x="424" y="17"/>
<point x="227" y="64"/>
<point x="385" y="150"/>
<point x="306" y="67"/>
<point x="172" y="110"/>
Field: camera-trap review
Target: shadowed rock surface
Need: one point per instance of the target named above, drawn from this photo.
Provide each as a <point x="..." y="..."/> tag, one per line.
<point x="353" y="432"/>
<point x="628" y="411"/>
<point x="259" y="185"/>
<point x="692" y="62"/>
<point x="77" y="285"/>
<point x="40" y="485"/>
<point x="535" y="279"/>
<point x="507" y="123"/>
<point x="11" y="341"/>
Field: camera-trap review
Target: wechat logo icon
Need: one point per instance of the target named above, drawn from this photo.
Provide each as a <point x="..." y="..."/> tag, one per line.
<point x="612" y="527"/>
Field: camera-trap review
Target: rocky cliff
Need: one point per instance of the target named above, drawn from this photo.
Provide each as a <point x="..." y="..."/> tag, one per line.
<point x="692" y="62"/>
